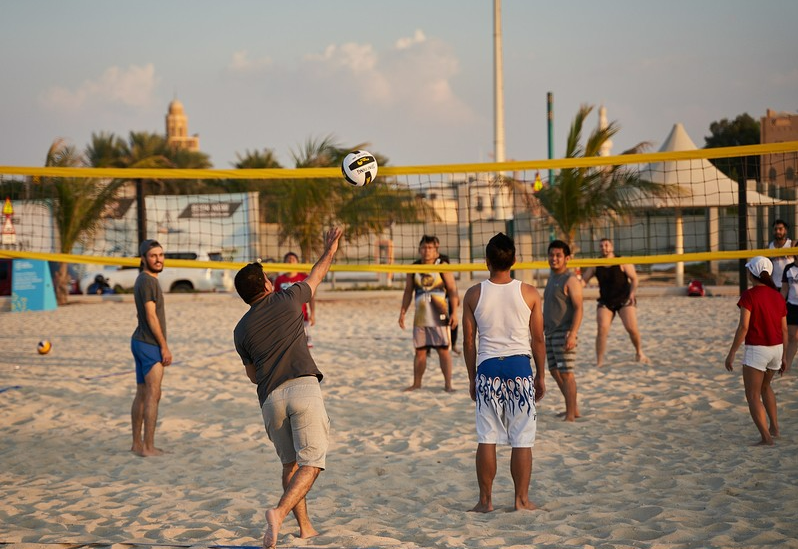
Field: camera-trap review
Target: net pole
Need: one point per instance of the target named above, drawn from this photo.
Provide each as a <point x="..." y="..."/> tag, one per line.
<point x="141" y="212"/>
<point x="742" y="229"/>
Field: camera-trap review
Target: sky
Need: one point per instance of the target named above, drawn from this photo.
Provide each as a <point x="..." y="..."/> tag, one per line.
<point x="413" y="79"/>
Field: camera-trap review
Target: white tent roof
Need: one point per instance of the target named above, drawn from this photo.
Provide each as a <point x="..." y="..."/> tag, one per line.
<point x="701" y="184"/>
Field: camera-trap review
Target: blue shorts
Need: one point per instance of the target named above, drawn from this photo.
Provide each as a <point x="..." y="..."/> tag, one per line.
<point x="146" y="356"/>
<point x="506" y="412"/>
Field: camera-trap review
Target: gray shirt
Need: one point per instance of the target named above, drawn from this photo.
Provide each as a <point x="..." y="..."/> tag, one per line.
<point x="271" y="335"/>
<point x="558" y="310"/>
<point x="147" y="289"/>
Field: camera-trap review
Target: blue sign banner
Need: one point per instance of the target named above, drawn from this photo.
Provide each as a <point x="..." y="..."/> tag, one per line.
<point x="32" y="286"/>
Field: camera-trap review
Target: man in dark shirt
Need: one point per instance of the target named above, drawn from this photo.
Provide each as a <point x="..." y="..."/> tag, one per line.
<point x="270" y="338"/>
<point x="617" y="289"/>
<point x="149" y="348"/>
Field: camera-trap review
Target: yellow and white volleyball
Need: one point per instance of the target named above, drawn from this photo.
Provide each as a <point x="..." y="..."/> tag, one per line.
<point x="43" y="347"/>
<point x="359" y="168"/>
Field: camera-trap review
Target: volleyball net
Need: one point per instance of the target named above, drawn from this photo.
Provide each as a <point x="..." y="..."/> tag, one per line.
<point x="705" y="207"/>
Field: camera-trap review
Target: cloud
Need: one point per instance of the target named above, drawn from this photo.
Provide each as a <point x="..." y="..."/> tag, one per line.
<point x="131" y="87"/>
<point x="417" y="38"/>
<point x="241" y="62"/>
<point x="414" y="76"/>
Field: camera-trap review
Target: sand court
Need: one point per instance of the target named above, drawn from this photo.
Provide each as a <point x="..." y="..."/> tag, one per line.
<point x="661" y="458"/>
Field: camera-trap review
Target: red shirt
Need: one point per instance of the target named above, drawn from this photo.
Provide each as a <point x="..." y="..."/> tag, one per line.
<point x="767" y="308"/>
<point x="283" y="282"/>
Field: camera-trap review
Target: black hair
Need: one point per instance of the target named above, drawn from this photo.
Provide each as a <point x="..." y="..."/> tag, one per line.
<point x="560" y="245"/>
<point x="500" y="252"/>
<point x="250" y="281"/>
<point x="289" y="254"/>
<point x="782" y="222"/>
<point x="429" y="239"/>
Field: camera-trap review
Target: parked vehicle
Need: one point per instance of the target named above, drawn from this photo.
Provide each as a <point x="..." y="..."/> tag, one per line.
<point x="173" y="279"/>
<point x="7" y="270"/>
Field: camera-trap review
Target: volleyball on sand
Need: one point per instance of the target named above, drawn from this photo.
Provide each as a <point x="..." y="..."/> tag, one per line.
<point x="359" y="168"/>
<point x="43" y="347"/>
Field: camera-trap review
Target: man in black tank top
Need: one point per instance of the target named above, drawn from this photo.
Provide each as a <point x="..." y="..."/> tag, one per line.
<point x="617" y="288"/>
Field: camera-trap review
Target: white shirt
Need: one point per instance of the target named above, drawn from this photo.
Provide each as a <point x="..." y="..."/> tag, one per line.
<point x="780" y="262"/>
<point x="502" y="316"/>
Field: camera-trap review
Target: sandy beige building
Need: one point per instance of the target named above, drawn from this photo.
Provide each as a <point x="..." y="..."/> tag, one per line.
<point x="177" y="128"/>
<point x="778" y="127"/>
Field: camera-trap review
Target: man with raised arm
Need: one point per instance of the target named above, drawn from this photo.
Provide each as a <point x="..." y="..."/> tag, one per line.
<point x="270" y="339"/>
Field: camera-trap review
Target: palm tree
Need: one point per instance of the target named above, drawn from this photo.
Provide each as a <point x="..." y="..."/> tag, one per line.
<point x="583" y="195"/>
<point x="105" y="151"/>
<point x="77" y="203"/>
<point x="304" y="208"/>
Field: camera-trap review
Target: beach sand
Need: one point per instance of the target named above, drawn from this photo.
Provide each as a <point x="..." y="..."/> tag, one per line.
<point x="661" y="458"/>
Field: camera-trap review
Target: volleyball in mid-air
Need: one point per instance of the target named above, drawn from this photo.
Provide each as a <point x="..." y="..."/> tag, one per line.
<point x="43" y="347"/>
<point x="359" y="168"/>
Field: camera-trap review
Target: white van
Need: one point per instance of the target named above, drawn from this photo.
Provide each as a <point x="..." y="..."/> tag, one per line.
<point x="172" y="279"/>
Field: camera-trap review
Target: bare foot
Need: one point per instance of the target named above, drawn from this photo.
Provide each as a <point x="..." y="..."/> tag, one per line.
<point x="411" y="388"/>
<point x="150" y="452"/>
<point x="449" y="389"/>
<point x="774" y="432"/>
<point x="599" y="364"/>
<point x="482" y="508"/>
<point x="764" y="442"/>
<point x="577" y="415"/>
<point x="525" y="506"/>
<point x="642" y="359"/>
<point x="272" y="528"/>
<point x="308" y="533"/>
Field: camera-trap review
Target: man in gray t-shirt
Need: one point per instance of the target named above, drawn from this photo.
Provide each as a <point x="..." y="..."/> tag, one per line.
<point x="270" y="339"/>
<point x="562" y="316"/>
<point x="149" y="348"/>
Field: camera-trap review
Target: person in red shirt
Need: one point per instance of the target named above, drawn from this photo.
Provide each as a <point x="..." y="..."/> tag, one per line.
<point x="285" y="281"/>
<point x="763" y="328"/>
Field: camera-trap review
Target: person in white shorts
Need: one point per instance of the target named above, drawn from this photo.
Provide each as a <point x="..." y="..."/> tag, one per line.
<point x="763" y="328"/>
<point x="507" y="315"/>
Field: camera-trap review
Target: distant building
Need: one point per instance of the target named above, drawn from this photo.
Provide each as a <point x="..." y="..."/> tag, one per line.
<point x="177" y="129"/>
<point x="778" y="127"/>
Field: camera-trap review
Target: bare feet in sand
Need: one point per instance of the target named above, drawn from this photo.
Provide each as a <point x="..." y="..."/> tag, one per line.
<point x="411" y="388"/>
<point x="564" y="415"/>
<point x="642" y="359"/>
<point x="482" y="508"/>
<point x="147" y="452"/>
<point x="525" y="506"/>
<point x="272" y="529"/>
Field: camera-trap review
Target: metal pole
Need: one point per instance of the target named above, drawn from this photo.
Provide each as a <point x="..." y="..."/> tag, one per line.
<point x="550" y="122"/>
<point x="742" y="228"/>
<point x="498" y="83"/>
<point x="141" y="212"/>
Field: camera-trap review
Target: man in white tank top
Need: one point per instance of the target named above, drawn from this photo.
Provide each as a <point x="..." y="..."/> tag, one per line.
<point x="507" y="315"/>
<point x="780" y="240"/>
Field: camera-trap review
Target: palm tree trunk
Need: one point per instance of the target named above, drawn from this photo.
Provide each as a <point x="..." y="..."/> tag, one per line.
<point x="61" y="284"/>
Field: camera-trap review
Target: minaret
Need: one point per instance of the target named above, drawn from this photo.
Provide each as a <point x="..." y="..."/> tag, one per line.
<point x="606" y="147"/>
<point x="177" y="128"/>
